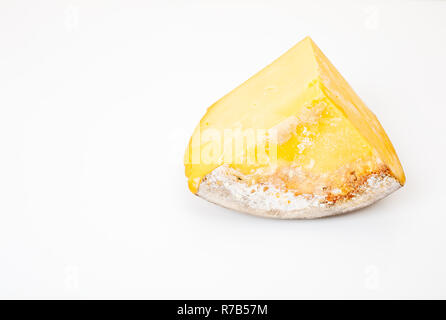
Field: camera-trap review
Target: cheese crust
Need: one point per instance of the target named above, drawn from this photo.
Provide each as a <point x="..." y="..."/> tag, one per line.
<point x="226" y="187"/>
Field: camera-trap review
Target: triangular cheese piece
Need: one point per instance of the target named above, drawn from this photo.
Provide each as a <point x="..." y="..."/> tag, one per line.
<point x="293" y="141"/>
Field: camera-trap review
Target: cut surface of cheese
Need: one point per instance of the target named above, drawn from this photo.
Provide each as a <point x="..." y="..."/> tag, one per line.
<point x="293" y="141"/>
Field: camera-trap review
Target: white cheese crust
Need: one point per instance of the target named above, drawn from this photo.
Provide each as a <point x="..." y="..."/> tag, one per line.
<point x="223" y="187"/>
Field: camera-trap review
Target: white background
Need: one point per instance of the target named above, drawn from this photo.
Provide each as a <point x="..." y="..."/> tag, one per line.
<point x="99" y="98"/>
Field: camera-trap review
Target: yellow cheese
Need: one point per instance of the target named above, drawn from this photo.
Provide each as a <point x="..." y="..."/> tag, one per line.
<point x="296" y="123"/>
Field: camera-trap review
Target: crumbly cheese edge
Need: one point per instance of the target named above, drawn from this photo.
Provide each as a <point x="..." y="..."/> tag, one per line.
<point x="222" y="187"/>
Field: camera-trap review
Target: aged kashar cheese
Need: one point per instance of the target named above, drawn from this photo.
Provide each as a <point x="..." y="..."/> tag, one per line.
<point x="293" y="141"/>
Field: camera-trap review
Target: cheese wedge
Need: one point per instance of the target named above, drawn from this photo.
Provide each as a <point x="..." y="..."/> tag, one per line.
<point x="293" y="141"/>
